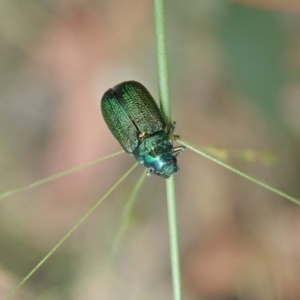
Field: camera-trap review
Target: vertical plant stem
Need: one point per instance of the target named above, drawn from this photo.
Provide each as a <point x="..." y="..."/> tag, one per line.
<point x="174" y="249"/>
<point x="161" y="47"/>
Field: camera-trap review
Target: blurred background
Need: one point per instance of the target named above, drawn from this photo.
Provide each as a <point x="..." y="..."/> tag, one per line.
<point x="234" y="83"/>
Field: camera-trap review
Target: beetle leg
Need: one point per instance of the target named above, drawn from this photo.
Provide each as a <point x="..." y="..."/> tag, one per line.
<point x="172" y="128"/>
<point x="170" y="131"/>
<point x="142" y="136"/>
<point x="174" y="137"/>
<point x="150" y="172"/>
<point x="178" y="150"/>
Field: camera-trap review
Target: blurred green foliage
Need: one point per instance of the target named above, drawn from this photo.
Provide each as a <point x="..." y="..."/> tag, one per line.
<point x="255" y="45"/>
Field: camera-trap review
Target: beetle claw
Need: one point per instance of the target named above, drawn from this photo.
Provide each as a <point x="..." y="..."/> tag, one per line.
<point x="178" y="150"/>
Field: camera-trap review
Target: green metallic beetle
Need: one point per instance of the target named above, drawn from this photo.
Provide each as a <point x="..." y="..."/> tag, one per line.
<point x="136" y="122"/>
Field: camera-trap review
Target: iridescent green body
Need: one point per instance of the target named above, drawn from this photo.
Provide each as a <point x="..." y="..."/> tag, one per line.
<point x="136" y="122"/>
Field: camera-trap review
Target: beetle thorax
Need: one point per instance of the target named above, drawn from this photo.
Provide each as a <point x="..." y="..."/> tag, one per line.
<point x="155" y="153"/>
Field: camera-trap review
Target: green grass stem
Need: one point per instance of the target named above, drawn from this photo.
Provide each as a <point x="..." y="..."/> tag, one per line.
<point x="126" y="215"/>
<point x="82" y="219"/>
<point x="161" y="46"/>
<point x="240" y="173"/>
<point x="162" y="62"/>
<point x="55" y="176"/>
<point x="174" y="248"/>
